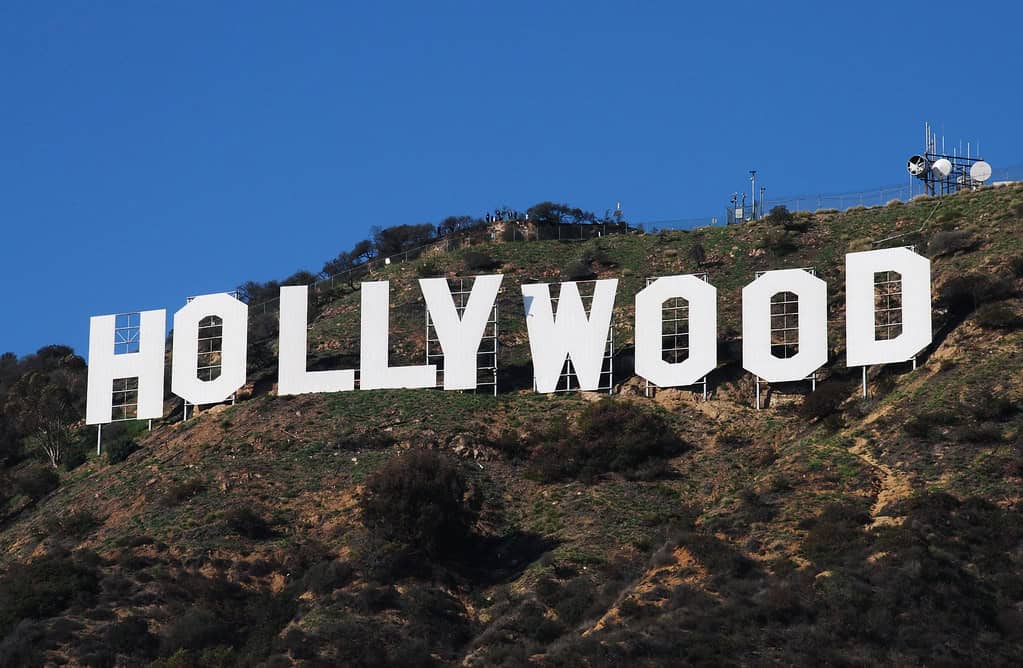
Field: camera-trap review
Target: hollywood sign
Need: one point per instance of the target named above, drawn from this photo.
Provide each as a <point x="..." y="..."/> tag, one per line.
<point x="569" y="332"/>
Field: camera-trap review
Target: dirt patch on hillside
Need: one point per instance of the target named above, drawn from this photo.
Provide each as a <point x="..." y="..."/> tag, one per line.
<point x="684" y="569"/>
<point x="893" y="485"/>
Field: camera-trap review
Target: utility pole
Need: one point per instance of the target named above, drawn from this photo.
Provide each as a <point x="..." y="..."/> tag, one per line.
<point x="762" y="189"/>
<point x="753" y="191"/>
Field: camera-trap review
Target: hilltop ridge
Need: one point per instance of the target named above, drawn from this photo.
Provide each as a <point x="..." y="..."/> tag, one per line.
<point x="578" y="530"/>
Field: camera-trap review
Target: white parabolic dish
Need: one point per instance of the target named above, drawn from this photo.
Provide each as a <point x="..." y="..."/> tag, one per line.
<point x="980" y="171"/>
<point x="942" y="167"/>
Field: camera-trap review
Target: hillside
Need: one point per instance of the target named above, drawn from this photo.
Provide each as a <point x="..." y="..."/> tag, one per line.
<point x="824" y="529"/>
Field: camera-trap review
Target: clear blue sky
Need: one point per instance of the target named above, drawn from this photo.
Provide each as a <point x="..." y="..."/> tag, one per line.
<point x="152" y="151"/>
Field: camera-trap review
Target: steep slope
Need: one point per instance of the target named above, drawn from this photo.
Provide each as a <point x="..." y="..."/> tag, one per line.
<point x="823" y="529"/>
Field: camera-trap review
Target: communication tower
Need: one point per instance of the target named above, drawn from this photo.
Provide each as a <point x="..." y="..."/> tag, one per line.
<point x="943" y="173"/>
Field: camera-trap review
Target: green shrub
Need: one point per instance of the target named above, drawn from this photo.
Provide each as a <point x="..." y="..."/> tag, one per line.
<point x="130" y="636"/>
<point x="824" y="402"/>
<point x="510" y="445"/>
<point x="575" y="600"/>
<point x="135" y="540"/>
<point x="371" y="440"/>
<point x="923" y="425"/>
<point x="962" y="294"/>
<point x="118" y="451"/>
<point x="326" y="576"/>
<point x="999" y="316"/>
<point x="195" y="629"/>
<point x="984" y="433"/>
<point x="23" y="645"/>
<point x="834" y="532"/>
<point x="697" y="254"/>
<point x="577" y="271"/>
<point x="779" y="242"/>
<point x="951" y="242"/>
<point x="182" y="491"/>
<point x="74" y="456"/>
<point x="430" y="268"/>
<point x="995" y="408"/>
<point x="1016" y="266"/>
<point x="75" y="524"/>
<point x="245" y="521"/>
<point x="780" y="215"/>
<point x="609" y="436"/>
<point x="419" y="499"/>
<point x="36" y="481"/>
<point x="731" y="440"/>
<point x="44" y="588"/>
<point x="477" y="261"/>
<point x="598" y="255"/>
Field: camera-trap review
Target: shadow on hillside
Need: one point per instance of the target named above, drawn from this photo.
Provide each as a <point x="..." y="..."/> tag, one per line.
<point x="512" y="378"/>
<point x="492" y="560"/>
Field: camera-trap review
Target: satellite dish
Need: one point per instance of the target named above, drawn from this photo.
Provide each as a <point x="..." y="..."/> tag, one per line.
<point x="980" y="171"/>
<point x="942" y="167"/>
<point x="918" y="166"/>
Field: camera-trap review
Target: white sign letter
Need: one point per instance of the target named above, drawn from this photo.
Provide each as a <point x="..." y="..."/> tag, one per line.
<point x="460" y="337"/>
<point x="234" y="320"/>
<point x="292" y="377"/>
<point x="375" y="373"/>
<point x="862" y="346"/>
<point x="105" y="366"/>
<point x="702" y="333"/>
<point x="812" y="294"/>
<point x="571" y="334"/>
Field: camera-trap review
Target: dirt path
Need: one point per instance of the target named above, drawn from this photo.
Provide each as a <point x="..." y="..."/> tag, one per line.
<point x="894" y="485"/>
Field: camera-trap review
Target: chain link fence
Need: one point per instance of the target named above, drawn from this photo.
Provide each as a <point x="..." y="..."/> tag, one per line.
<point x="878" y="196"/>
<point x="843" y="201"/>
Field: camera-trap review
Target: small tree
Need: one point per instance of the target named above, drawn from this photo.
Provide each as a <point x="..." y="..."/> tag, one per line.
<point x="551" y="213"/>
<point x="394" y="240"/>
<point x="453" y="224"/>
<point x="419" y="499"/>
<point x="46" y="405"/>
<point x="780" y="215"/>
<point x="341" y="263"/>
<point x="697" y="253"/>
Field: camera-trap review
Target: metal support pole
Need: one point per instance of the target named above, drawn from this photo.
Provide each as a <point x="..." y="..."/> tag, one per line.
<point x="611" y="364"/>
<point x="150" y="425"/>
<point x="758" y="392"/>
<point x="753" y="192"/>
<point x="864" y="382"/>
<point x="99" y="439"/>
<point x="497" y="342"/>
